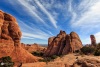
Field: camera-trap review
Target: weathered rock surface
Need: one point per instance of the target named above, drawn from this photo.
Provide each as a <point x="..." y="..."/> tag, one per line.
<point x="9" y="28"/>
<point x="87" y="62"/>
<point x="74" y="60"/>
<point x="73" y="43"/>
<point x="93" y="40"/>
<point x="63" y="44"/>
<point x="10" y="36"/>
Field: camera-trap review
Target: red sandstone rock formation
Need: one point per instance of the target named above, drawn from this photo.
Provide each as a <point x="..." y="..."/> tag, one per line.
<point x="63" y="44"/>
<point x="73" y="43"/>
<point x="10" y="36"/>
<point x="93" y="40"/>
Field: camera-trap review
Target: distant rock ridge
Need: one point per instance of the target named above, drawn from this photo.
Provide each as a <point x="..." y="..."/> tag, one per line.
<point x="33" y="47"/>
<point x="63" y="44"/>
<point x="10" y="36"/>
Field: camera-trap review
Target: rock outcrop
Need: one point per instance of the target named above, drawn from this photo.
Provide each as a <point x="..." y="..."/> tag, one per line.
<point x="93" y="40"/>
<point x="63" y="44"/>
<point x="10" y="36"/>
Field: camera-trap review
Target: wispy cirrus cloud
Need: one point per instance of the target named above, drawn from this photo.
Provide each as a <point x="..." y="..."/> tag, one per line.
<point x="49" y="8"/>
<point x="31" y="9"/>
<point x="88" y="15"/>
<point x="37" y="36"/>
<point x="53" y="21"/>
<point x="28" y="37"/>
<point x="33" y="32"/>
<point x="36" y="32"/>
<point x="71" y="10"/>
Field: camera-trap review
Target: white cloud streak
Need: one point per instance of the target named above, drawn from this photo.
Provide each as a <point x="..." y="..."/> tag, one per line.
<point x="43" y="37"/>
<point x="32" y="33"/>
<point x="53" y="21"/>
<point x="71" y="10"/>
<point x="31" y="9"/>
<point x="90" y="15"/>
<point x="24" y="37"/>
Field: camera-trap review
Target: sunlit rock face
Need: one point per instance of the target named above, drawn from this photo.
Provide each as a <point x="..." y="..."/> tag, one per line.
<point x="93" y="40"/>
<point x="63" y="44"/>
<point x="10" y="36"/>
<point x="9" y="29"/>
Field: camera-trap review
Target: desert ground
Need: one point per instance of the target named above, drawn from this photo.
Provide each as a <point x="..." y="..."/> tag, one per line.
<point x="66" y="61"/>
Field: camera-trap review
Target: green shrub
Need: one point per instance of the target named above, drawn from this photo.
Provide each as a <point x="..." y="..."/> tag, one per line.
<point x="6" y="62"/>
<point x="37" y="53"/>
<point x="81" y="53"/>
<point x="98" y="46"/>
<point x="54" y="57"/>
<point x="61" y="56"/>
<point x="77" y="51"/>
<point x="48" y="59"/>
<point x="87" y="50"/>
<point x="97" y="53"/>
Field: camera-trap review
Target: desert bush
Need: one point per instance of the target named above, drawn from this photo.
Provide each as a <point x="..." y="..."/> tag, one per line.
<point x="48" y="59"/>
<point x="6" y="62"/>
<point x="81" y="53"/>
<point x="37" y="53"/>
<point x="77" y="51"/>
<point x="98" y="46"/>
<point x="97" y="53"/>
<point x="61" y="56"/>
<point x="54" y="57"/>
<point x="87" y="50"/>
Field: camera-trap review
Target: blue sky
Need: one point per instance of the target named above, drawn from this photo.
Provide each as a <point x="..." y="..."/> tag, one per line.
<point x="41" y="19"/>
